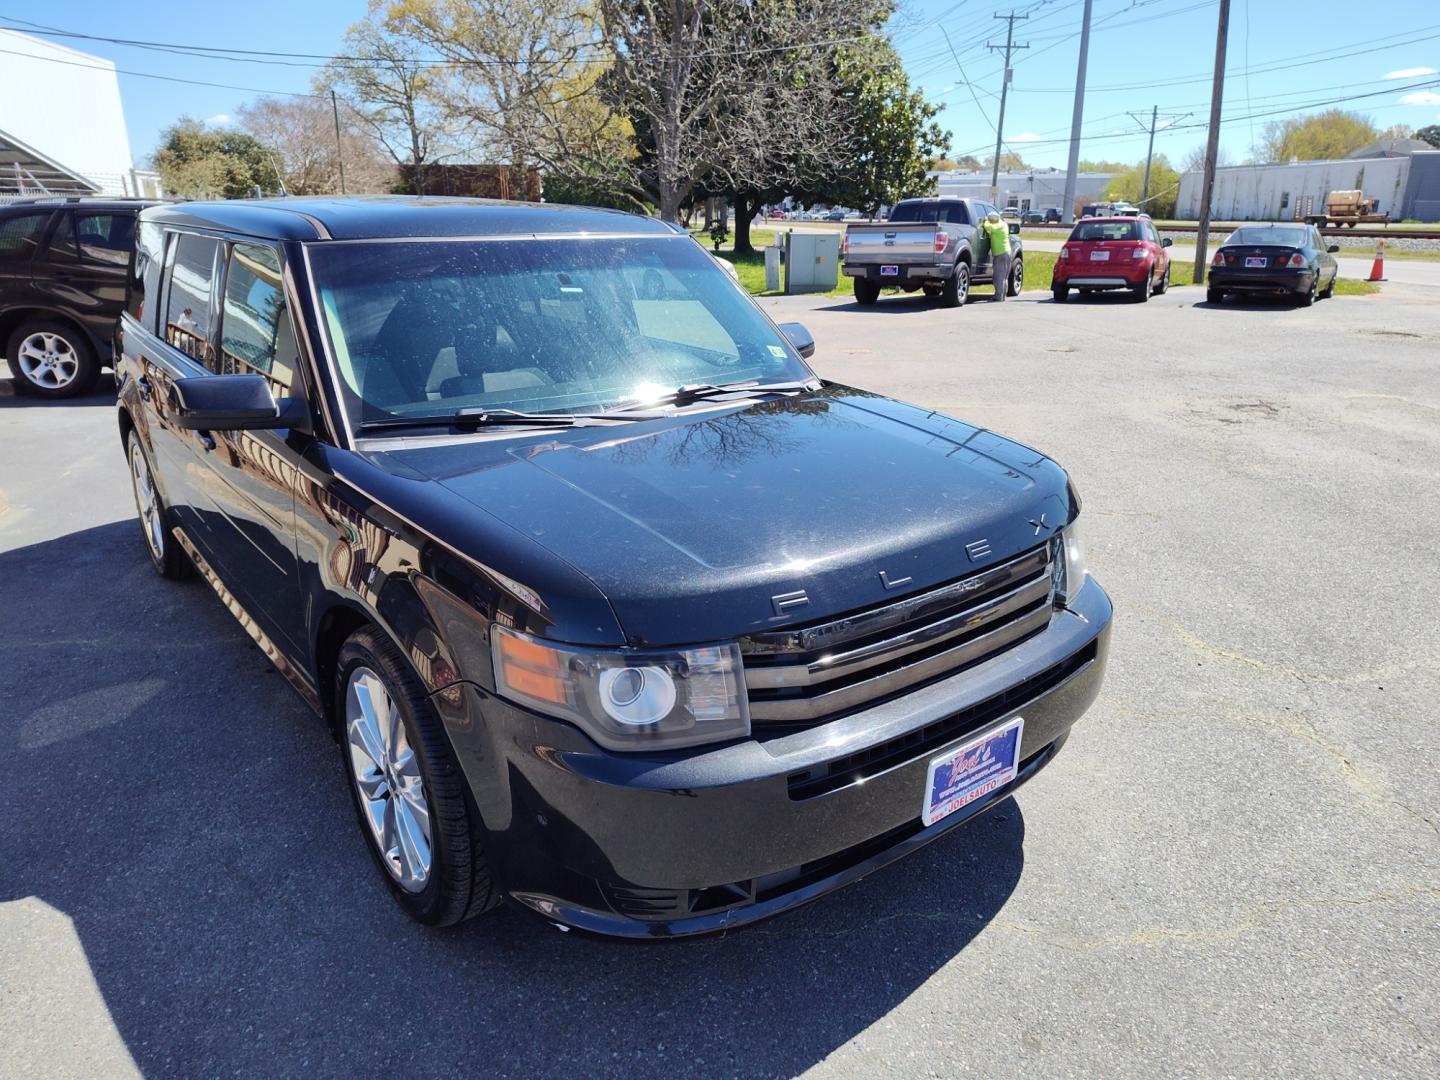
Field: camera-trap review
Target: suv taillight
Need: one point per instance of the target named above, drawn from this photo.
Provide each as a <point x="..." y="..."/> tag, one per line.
<point x="1064" y="253"/>
<point x="942" y="241"/>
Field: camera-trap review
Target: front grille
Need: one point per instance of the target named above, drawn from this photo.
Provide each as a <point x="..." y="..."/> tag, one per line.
<point x="802" y="677"/>
<point x="874" y="760"/>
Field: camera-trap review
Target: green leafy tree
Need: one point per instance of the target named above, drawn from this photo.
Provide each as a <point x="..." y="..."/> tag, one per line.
<point x="1164" y="187"/>
<point x="895" y="134"/>
<point x="1330" y="134"/>
<point x="969" y="162"/>
<point x="1010" y="161"/>
<point x="1429" y="134"/>
<point x="1101" y="166"/>
<point x="196" y="162"/>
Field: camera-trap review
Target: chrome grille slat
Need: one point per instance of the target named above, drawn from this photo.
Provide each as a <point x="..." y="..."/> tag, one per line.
<point x="874" y="653"/>
<point x="806" y="676"/>
<point x="901" y="613"/>
<point x="824" y="705"/>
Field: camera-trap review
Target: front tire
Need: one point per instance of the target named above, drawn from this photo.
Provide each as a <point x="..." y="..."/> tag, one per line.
<point x="956" y="289"/>
<point x="1017" y="278"/>
<point x="1164" y="284"/>
<point x="51" y="359"/>
<point x="407" y="787"/>
<point x="166" y="555"/>
<point x="866" y="291"/>
<point x="1330" y="289"/>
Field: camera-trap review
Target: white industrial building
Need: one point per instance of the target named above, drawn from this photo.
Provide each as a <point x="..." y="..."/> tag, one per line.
<point x="1033" y="189"/>
<point x="62" y="129"/>
<point x="1405" y="181"/>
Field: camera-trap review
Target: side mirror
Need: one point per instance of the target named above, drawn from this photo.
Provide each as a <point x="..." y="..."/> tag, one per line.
<point x="234" y="403"/>
<point x="799" y="337"/>
<point x="1333" y="248"/>
<point x="1166" y="241"/>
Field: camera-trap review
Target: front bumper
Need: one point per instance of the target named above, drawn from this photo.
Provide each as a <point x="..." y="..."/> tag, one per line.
<point x="1261" y="281"/>
<point x="644" y="846"/>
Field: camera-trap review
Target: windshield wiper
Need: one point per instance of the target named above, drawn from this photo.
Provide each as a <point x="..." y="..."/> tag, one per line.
<point x="693" y="392"/>
<point x="469" y="419"/>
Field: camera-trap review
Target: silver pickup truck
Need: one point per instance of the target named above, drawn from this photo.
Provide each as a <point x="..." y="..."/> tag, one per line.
<point x="929" y="244"/>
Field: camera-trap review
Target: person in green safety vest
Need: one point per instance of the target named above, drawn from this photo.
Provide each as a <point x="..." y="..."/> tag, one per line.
<point x="998" y="234"/>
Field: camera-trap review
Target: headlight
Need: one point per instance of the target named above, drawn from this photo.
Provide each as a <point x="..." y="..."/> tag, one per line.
<point x="627" y="700"/>
<point x="1067" y="562"/>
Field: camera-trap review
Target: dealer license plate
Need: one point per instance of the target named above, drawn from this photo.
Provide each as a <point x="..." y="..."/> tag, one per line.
<point x="889" y="271"/>
<point x="1099" y="256"/>
<point x="1256" y="262"/>
<point x="984" y="764"/>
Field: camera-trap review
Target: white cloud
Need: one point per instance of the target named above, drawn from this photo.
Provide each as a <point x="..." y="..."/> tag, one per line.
<point x="219" y="120"/>
<point x="1421" y="97"/>
<point x="1412" y="73"/>
<point x="1027" y="137"/>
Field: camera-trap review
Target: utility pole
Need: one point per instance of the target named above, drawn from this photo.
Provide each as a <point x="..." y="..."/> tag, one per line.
<point x="1067" y="212"/>
<point x="1149" y="157"/>
<point x="339" y="149"/>
<point x="1212" y="144"/>
<point x="1004" y="92"/>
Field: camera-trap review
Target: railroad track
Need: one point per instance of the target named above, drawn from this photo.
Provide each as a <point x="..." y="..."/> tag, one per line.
<point x="1357" y="233"/>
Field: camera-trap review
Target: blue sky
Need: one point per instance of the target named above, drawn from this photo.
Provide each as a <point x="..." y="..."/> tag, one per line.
<point x="1282" y="61"/>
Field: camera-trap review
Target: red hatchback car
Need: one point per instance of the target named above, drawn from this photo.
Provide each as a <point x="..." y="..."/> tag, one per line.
<point x="1113" y="253"/>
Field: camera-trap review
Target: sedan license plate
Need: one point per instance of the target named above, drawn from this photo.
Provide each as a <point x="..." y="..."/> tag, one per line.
<point x="984" y="764"/>
<point x="1255" y="262"/>
<point x="889" y="271"/>
<point x="1099" y="256"/>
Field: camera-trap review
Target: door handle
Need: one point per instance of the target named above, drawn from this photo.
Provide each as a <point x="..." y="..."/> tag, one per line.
<point x="145" y="386"/>
<point x="206" y="440"/>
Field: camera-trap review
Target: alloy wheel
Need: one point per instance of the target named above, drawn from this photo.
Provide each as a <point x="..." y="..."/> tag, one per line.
<point x="147" y="502"/>
<point x="48" y="361"/>
<point x="387" y="778"/>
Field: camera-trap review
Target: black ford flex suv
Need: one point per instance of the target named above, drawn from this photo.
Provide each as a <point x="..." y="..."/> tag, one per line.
<point x="63" y="268"/>
<point x="617" y="610"/>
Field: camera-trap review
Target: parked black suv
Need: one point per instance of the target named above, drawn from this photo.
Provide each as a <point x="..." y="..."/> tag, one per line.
<point x="62" y="286"/>
<point x="617" y="610"/>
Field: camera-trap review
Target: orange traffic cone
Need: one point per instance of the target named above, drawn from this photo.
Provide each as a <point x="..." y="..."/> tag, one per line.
<point x="1377" y="269"/>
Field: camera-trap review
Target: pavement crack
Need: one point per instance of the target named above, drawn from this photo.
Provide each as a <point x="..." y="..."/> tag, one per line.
<point x="1250" y="921"/>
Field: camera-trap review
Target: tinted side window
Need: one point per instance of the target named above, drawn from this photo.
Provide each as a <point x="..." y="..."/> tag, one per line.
<point x="105" y="238"/>
<point x="20" y="234"/>
<point x="256" y="335"/>
<point x="189" y="320"/>
<point x="144" y="292"/>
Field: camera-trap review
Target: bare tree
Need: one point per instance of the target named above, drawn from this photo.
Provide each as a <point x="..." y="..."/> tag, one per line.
<point x="393" y="93"/>
<point x="509" y="63"/>
<point x="300" y="133"/>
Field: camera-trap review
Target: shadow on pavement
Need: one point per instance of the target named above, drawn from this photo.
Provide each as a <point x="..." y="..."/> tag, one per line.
<point x="185" y="811"/>
<point x="102" y="393"/>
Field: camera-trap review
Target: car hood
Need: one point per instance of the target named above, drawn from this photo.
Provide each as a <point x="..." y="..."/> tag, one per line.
<point x="693" y="525"/>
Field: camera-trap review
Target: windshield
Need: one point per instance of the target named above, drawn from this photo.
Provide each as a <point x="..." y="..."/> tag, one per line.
<point x="428" y="328"/>
<point x="1272" y="235"/>
<point x="1106" y="230"/>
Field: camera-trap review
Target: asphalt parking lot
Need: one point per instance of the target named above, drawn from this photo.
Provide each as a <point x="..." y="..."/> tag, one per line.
<point x="1233" y="869"/>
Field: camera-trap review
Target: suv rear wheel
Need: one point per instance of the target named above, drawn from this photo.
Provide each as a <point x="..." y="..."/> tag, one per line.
<point x="51" y="359"/>
<point x="1017" y="276"/>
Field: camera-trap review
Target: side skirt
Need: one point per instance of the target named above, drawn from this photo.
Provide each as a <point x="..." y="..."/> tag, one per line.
<point x="251" y="627"/>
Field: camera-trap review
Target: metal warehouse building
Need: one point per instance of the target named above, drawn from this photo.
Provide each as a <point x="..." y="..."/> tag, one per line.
<point x="1405" y="180"/>
<point x="1034" y="189"/>
<point x="62" y="129"/>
